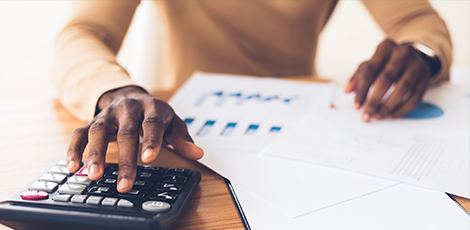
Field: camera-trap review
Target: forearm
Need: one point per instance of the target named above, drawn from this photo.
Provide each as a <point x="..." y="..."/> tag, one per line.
<point x="415" y="21"/>
<point x="85" y="63"/>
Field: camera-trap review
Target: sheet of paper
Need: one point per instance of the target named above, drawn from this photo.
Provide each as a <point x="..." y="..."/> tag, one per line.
<point x="428" y="148"/>
<point x="245" y="113"/>
<point x="293" y="188"/>
<point x="401" y="207"/>
<point x="222" y="111"/>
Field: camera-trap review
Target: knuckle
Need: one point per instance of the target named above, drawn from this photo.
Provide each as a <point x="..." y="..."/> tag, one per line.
<point x="98" y="125"/>
<point x="128" y="131"/>
<point x="126" y="165"/>
<point x="153" y="120"/>
<point x="372" y="104"/>
<point x="128" y="104"/>
<point x="79" y="131"/>
<point x="387" y="79"/>
<point x="94" y="156"/>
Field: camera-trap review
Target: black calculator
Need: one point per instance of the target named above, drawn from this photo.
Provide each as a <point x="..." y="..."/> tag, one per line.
<point x="57" y="199"/>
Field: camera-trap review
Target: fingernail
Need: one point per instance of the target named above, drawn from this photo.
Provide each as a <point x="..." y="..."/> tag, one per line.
<point x="123" y="183"/>
<point x="72" y="165"/>
<point x="357" y="105"/>
<point x="365" y="117"/>
<point x="148" y="153"/>
<point x="94" y="169"/>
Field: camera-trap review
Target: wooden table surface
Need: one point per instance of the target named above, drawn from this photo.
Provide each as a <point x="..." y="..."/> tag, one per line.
<point x="35" y="133"/>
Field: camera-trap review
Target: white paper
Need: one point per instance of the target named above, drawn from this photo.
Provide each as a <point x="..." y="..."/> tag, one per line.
<point x="433" y="153"/>
<point x="271" y="106"/>
<point x="289" y="186"/>
<point x="401" y="207"/>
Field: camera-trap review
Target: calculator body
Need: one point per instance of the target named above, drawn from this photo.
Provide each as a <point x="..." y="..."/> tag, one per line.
<point x="156" y="201"/>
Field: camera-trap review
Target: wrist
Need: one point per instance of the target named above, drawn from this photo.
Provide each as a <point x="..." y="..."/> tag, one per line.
<point x="428" y="56"/>
<point x="117" y="94"/>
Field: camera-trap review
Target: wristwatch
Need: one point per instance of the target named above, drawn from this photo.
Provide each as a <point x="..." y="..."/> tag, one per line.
<point x="428" y="56"/>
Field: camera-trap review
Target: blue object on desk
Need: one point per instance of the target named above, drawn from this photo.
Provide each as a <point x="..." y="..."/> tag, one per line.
<point x="425" y="111"/>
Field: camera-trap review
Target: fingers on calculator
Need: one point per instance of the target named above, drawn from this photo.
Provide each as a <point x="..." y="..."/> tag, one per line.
<point x="156" y="191"/>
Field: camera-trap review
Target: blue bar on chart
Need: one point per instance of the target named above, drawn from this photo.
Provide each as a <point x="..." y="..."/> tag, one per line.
<point x="251" y="129"/>
<point x="228" y="130"/>
<point x="188" y="121"/>
<point x="205" y="128"/>
<point x="275" y="129"/>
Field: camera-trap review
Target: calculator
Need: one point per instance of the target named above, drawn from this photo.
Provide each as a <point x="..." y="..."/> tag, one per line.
<point x="57" y="199"/>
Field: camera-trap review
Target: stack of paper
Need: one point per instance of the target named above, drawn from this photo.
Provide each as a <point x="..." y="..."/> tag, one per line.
<point x="233" y="118"/>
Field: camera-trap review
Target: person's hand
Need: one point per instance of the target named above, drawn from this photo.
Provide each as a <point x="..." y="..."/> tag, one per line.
<point x="124" y="114"/>
<point x="394" y="68"/>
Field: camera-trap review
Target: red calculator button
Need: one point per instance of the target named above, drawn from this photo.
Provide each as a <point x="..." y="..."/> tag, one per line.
<point x="34" y="195"/>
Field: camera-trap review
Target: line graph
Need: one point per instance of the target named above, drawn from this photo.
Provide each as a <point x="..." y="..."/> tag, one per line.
<point x="221" y="97"/>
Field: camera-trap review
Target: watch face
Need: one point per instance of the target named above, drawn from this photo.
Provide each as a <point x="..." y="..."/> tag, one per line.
<point x="424" y="49"/>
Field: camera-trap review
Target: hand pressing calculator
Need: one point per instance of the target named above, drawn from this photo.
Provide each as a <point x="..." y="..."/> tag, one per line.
<point x="57" y="199"/>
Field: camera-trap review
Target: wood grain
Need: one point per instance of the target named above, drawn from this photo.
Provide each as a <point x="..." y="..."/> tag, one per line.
<point x="35" y="133"/>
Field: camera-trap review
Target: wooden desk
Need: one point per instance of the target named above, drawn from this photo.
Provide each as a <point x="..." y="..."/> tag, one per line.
<point x="35" y="133"/>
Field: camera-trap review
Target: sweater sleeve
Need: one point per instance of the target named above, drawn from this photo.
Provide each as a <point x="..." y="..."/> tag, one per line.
<point x="415" y="21"/>
<point x="85" y="63"/>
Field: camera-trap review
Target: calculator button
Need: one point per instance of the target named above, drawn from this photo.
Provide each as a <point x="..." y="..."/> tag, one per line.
<point x="125" y="203"/>
<point x="150" y="169"/>
<point x="62" y="163"/>
<point x="72" y="189"/>
<point x="53" y="177"/>
<point x="146" y="176"/>
<point x="107" y="182"/>
<point x="60" y="170"/>
<point x="44" y="186"/>
<point x="137" y="194"/>
<point x="180" y="171"/>
<point x="142" y="185"/>
<point x="94" y="200"/>
<point x="163" y="196"/>
<point x="102" y="191"/>
<point x="78" y="198"/>
<point x="34" y="195"/>
<point x="155" y="206"/>
<point x="109" y="201"/>
<point x="169" y="187"/>
<point x="174" y="179"/>
<point x="80" y="180"/>
<point x="111" y="174"/>
<point x="62" y="198"/>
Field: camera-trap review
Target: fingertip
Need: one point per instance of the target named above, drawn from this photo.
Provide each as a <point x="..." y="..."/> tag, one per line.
<point x="94" y="172"/>
<point x="73" y="166"/>
<point x="192" y="151"/>
<point x="149" y="155"/>
<point x="357" y="105"/>
<point x="124" y="185"/>
<point x="349" y="87"/>
<point x="366" y="117"/>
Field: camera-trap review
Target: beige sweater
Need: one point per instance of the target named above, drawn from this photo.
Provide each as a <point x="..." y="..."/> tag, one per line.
<point x="263" y="38"/>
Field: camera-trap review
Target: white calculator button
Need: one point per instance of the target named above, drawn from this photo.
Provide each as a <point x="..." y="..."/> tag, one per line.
<point x="125" y="203"/>
<point x="44" y="186"/>
<point x="94" y="200"/>
<point x="78" y="198"/>
<point x="62" y="163"/>
<point x="80" y="180"/>
<point x="72" y="189"/>
<point x="62" y="198"/>
<point x="53" y="177"/>
<point x="155" y="206"/>
<point x="109" y="201"/>
<point x="60" y="170"/>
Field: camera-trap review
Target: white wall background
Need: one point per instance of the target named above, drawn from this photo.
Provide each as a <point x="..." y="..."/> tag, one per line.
<point x="28" y="30"/>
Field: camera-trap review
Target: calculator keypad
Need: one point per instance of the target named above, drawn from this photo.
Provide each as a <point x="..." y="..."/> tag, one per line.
<point x="155" y="188"/>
